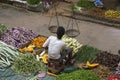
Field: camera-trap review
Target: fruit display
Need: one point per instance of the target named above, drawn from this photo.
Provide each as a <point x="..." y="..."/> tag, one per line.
<point x="112" y="14"/>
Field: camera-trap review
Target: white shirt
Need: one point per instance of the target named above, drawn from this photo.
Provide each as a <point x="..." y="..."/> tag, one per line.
<point x="54" y="47"/>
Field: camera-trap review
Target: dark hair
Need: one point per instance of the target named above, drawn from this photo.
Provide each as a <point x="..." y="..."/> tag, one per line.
<point x="60" y="32"/>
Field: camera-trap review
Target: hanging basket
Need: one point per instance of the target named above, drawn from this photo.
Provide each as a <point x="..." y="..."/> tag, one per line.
<point x="53" y="29"/>
<point x="72" y="32"/>
<point x="35" y="8"/>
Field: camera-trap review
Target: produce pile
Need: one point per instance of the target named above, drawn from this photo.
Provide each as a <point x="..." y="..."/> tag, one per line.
<point x="102" y="71"/>
<point x="85" y="4"/>
<point x="72" y="43"/>
<point x="38" y="42"/>
<point x="108" y="59"/>
<point x="118" y="70"/>
<point x="7" y="54"/>
<point x="26" y="41"/>
<point x="3" y="29"/>
<point x="78" y="75"/>
<point x="17" y="36"/>
<point x="96" y="12"/>
<point x="34" y="43"/>
<point x="86" y="53"/>
<point x="92" y="8"/>
<point x="26" y="64"/>
<point x="112" y="14"/>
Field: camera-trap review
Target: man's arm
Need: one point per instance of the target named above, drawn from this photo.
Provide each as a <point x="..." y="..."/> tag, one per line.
<point x="45" y="45"/>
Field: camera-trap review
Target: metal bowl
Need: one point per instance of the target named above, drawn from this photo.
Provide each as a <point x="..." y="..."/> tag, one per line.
<point x="53" y="29"/>
<point x="72" y="32"/>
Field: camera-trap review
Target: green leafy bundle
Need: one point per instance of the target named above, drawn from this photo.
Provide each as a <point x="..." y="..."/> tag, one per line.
<point x="3" y="28"/>
<point x="85" y="4"/>
<point x="7" y="54"/>
<point x="86" y="53"/>
<point x="78" y="75"/>
<point x="33" y="2"/>
<point x="27" y="64"/>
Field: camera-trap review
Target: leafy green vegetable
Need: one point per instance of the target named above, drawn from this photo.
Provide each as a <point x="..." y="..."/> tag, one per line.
<point x="26" y="64"/>
<point x="78" y="75"/>
<point x="7" y="54"/>
<point x="33" y="2"/>
<point x="3" y="28"/>
<point x="85" y="4"/>
<point x="86" y="53"/>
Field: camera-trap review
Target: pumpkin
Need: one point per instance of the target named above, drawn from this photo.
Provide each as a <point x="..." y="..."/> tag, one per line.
<point x="44" y="58"/>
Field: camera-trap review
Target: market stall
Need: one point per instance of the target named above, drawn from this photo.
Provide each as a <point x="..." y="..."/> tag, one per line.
<point x="23" y="58"/>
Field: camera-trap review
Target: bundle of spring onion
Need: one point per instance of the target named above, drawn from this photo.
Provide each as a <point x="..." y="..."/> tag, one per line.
<point x="7" y="54"/>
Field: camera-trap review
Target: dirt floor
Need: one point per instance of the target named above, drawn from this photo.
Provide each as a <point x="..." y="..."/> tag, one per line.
<point x="97" y="35"/>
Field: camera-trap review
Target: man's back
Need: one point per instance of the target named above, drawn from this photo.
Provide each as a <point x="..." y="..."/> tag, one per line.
<point x="54" y="47"/>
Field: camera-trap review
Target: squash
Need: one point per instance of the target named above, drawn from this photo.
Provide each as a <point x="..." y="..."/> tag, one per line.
<point x="49" y="73"/>
<point x="91" y="65"/>
<point x="30" y="49"/>
<point x="44" y="58"/>
<point x="38" y="42"/>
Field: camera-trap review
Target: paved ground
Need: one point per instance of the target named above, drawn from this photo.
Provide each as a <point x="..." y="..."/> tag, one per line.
<point x="99" y="36"/>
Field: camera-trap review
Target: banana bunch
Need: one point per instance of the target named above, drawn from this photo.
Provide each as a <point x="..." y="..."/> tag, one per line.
<point x="112" y="14"/>
<point x="72" y="43"/>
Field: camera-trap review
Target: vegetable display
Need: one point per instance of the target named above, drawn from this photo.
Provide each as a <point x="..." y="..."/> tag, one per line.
<point x="91" y="65"/>
<point x="38" y="42"/>
<point x="78" y="75"/>
<point x="35" y="43"/>
<point x="102" y="71"/>
<point x="108" y="59"/>
<point x="86" y="53"/>
<point x="72" y="43"/>
<point x="112" y="14"/>
<point x="33" y="2"/>
<point x="25" y="49"/>
<point x="44" y="58"/>
<point x="18" y="36"/>
<point x="85" y="4"/>
<point x="118" y="70"/>
<point x="3" y="28"/>
<point x="96" y="12"/>
<point x="27" y="64"/>
<point x="7" y="54"/>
